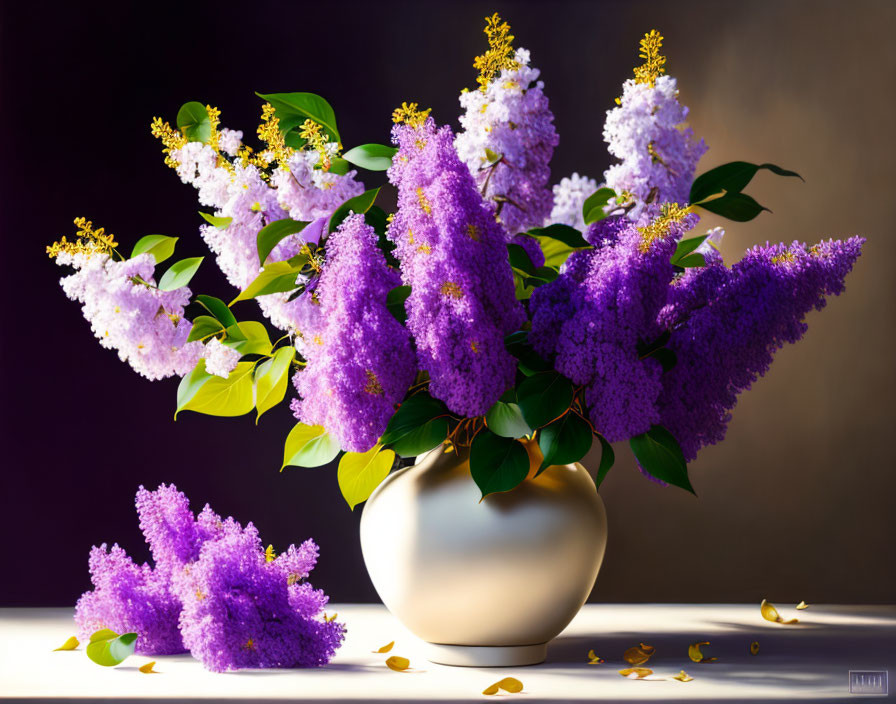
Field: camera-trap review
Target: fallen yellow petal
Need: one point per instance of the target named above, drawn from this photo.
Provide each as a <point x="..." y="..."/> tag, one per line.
<point x="386" y="648"/>
<point x="695" y="654"/>
<point x="269" y="554"/>
<point x="511" y="684"/>
<point x="683" y="677"/>
<point x="593" y="659"/>
<point x="70" y="644"/>
<point x="638" y="654"/>
<point x="491" y="689"/>
<point x="397" y="663"/>
<point x="770" y="613"/>
<point x="754" y="648"/>
<point x="147" y="668"/>
<point x="802" y="605"/>
<point x="641" y="672"/>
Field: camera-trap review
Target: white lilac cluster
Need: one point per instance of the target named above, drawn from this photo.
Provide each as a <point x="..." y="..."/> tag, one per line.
<point x="145" y="325"/>
<point x="569" y="197"/>
<point x="240" y="192"/>
<point x="511" y="118"/>
<point x="220" y="359"/>
<point x="659" y="154"/>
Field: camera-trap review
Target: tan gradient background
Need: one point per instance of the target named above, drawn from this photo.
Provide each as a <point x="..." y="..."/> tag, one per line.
<point x="799" y="501"/>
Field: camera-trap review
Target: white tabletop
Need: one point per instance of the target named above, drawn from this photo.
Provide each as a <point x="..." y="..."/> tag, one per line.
<point x="809" y="661"/>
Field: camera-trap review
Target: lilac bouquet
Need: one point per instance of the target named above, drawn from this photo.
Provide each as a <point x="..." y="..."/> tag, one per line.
<point x="214" y="591"/>
<point x="491" y="312"/>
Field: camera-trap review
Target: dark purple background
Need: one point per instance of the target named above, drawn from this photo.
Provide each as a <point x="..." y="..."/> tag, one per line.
<point x="80" y="430"/>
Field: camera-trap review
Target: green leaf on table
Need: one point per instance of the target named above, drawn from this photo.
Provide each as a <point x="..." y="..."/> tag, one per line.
<point x="159" y="246"/>
<point x="543" y="397"/>
<point x="506" y="420"/>
<point x="593" y="207"/>
<point x="422" y="439"/>
<point x="273" y="233"/>
<point x="248" y="337"/>
<point x="271" y="379"/>
<point x="109" y="649"/>
<point x="373" y="157"/>
<point x="216" y="220"/>
<point x="217" y="308"/>
<point x="358" y="205"/>
<point x="569" y="236"/>
<point x="607" y="458"/>
<point x="194" y="122"/>
<point x="564" y="441"/>
<point x="70" y="644"/>
<point x="309" y="446"/>
<point x="359" y="473"/>
<point x="732" y="177"/>
<point x="204" y="326"/>
<point x="302" y="106"/>
<point x="276" y="277"/>
<point x="415" y="412"/>
<point x="497" y="464"/>
<point x="395" y="300"/>
<point x="685" y="247"/>
<point x="530" y="362"/>
<point x="735" y="206"/>
<point x="179" y="274"/>
<point x="660" y="455"/>
<point x="519" y="259"/>
<point x="206" y="393"/>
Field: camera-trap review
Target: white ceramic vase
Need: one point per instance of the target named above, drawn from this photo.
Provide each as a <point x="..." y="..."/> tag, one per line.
<point x="483" y="583"/>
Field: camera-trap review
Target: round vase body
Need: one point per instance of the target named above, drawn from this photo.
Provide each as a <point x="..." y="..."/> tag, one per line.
<point x="483" y="583"/>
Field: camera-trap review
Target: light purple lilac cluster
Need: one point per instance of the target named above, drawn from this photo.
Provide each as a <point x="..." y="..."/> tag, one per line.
<point x="511" y="118"/>
<point x="453" y="256"/>
<point x="658" y="153"/>
<point x="360" y="361"/>
<point x="727" y="324"/>
<point x="241" y="192"/>
<point x="569" y="199"/>
<point x="143" y="324"/>
<point x="213" y="591"/>
<point x="594" y="318"/>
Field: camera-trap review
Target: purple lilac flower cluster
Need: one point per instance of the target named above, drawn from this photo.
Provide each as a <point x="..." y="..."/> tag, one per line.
<point x="213" y="591"/>
<point x="727" y="324"/>
<point x="453" y="256"/>
<point x="510" y="117"/>
<point x="594" y="319"/>
<point x="360" y="361"/>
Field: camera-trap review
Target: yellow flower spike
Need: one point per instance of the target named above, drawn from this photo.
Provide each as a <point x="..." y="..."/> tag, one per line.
<point x="640" y="672"/>
<point x="638" y="654"/>
<point x="682" y="677"/>
<point x="147" y="668"/>
<point x="802" y="605"/>
<point x="770" y="613"/>
<point x="654" y="62"/>
<point x="754" y="648"/>
<point x="171" y="139"/>
<point x="593" y="658"/>
<point x="386" y="648"/>
<point x="69" y="644"/>
<point x="500" y="54"/>
<point x="331" y="617"/>
<point x="397" y="663"/>
<point x="88" y="240"/>
<point x="670" y="214"/>
<point x="316" y="139"/>
<point x="695" y="654"/>
<point x="269" y="133"/>
<point x="410" y="114"/>
<point x="269" y="554"/>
